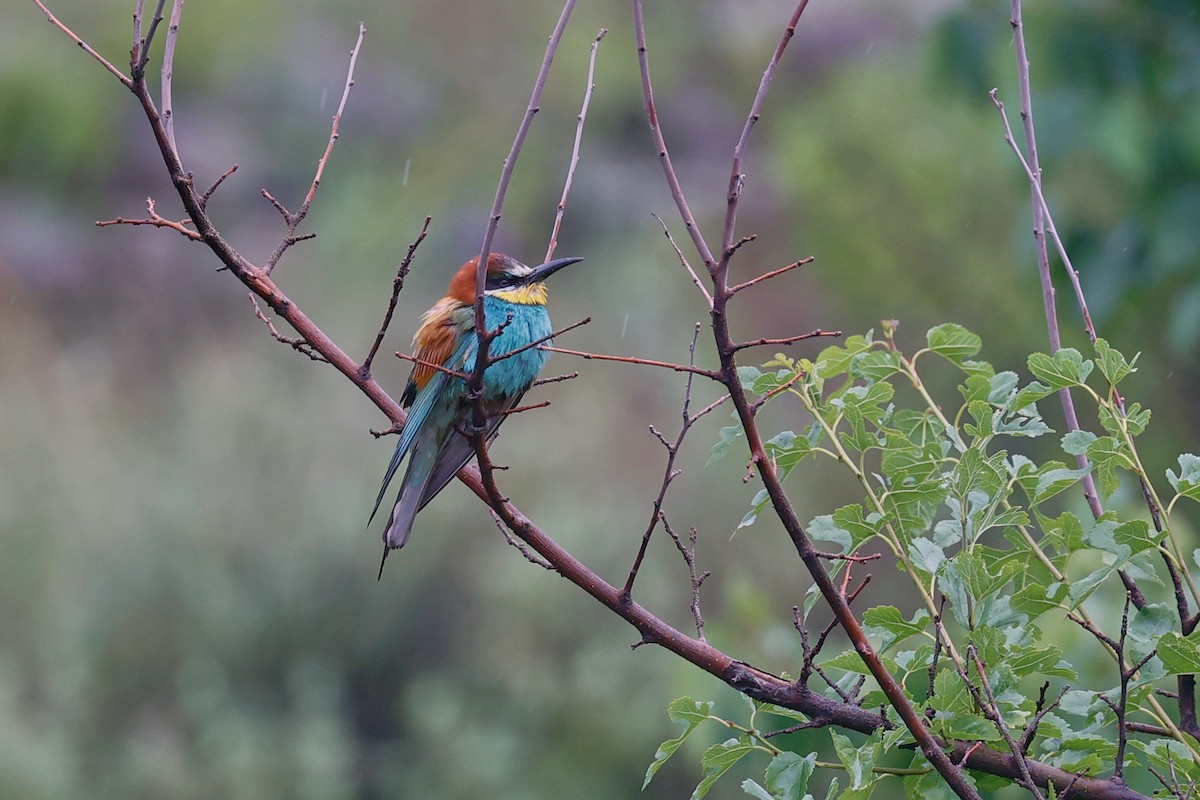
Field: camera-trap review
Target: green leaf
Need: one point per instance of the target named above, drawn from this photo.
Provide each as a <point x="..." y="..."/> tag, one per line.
<point x="718" y="759"/>
<point x="835" y="360"/>
<point x="760" y="501"/>
<point x="786" y="449"/>
<point x="1108" y="455"/>
<point x="858" y="761"/>
<point x="889" y="624"/>
<point x="1187" y="482"/>
<point x="1050" y="479"/>
<point x="953" y="342"/>
<point x="1112" y="364"/>
<point x="1180" y="655"/>
<point x="747" y="376"/>
<point x="925" y="555"/>
<point x="727" y="435"/>
<point x="1137" y="535"/>
<point x="875" y="365"/>
<point x="1035" y="599"/>
<point x="1076" y="443"/>
<point x="787" y="775"/>
<point x="1064" y="369"/>
<point x="930" y="785"/>
<point x="754" y="790"/>
<point x="687" y="713"/>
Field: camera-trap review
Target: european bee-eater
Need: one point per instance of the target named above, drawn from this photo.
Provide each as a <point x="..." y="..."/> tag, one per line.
<point x="438" y="412"/>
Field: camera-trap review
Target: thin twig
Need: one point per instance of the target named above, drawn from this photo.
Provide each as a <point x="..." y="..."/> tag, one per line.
<point x="669" y="470"/>
<point x="785" y="340"/>
<point x="660" y="144"/>
<point x="397" y="286"/>
<point x="153" y="218"/>
<point x="768" y="275"/>
<point x="294" y="220"/>
<point x="688" y="552"/>
<point x="631" y="360"/>
<point x="683" y="260"/>
<point x="168" y="71"/>
<point x="84" y="46"/>
<point x="580" y="120"/>
<point x="299" y="345"/>
<point x="737" y="178"/>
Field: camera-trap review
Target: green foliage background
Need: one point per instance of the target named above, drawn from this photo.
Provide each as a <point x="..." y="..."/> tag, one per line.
<point x="186" y="587"/>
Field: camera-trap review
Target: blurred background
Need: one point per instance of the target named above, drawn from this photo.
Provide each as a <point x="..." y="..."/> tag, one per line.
<point x="188" y="604"/>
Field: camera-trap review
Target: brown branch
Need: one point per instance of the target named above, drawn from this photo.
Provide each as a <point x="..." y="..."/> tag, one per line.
<point x="631" y="360"/>
<point x="293" y="220"/>
<point x="683" y="260"/>
<point x="168" y="70"/>
<point x="579" y="123"/>
<point x="737" y="178"/>
<point x="485" y="337"/>
<point x="987" y="704"/>
<point x="299" y="345"/>
<point x="768" y="275"/>
<point x="785" y="340"/>
<point x="669" y="471"/>
<point x="660" y="145"/>
<point x="570" y="376"/>
<point x="397" y="286"/>
<point x="84" y="46"/>
<point x="179" y="226"/>
<point x="431" y="365"/>
<point x="208" y="193"/>
<point x="688" y="551"/>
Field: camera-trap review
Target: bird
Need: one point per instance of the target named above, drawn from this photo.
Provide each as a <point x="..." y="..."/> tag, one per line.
<point x="439" y="412"/>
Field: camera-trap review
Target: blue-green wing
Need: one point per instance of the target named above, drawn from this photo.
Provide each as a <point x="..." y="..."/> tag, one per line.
<point x="418" y="414"/>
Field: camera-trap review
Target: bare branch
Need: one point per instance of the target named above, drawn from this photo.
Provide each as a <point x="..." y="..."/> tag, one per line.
<point x="580" y="120"/>
<point x="737" y="178"/>
<point x="768" y="275"/>
<point x="153" y="218"/>
<point x="397" y="286"/>
<point x="785" y="340"/>
<point x="294" y="220"/>
<point x="630" y="360"/>
<point x="84" y="46"/>
<point x="683" y="260"/>
<point x="299" y="345"/>
<point x="660" y="144"/>
<point x="168" y="71"/>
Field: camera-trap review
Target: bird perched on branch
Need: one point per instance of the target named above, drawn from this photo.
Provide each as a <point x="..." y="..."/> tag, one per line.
<point x="440" y="413"/>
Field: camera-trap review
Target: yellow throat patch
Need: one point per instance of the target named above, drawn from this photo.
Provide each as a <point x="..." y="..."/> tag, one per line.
<point x="532" y="295"/>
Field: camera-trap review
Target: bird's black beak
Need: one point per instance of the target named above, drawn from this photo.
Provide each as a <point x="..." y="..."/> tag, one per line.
<point x="540" y="273"/>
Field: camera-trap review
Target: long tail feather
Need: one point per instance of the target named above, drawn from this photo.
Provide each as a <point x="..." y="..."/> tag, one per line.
<point x="412" y="489"/>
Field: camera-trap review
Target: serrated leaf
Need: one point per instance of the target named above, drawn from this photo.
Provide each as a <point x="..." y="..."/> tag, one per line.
<point x="754" y="790"/>
<point x="1054" y="480"/>
<point x="1180" y="654"/>
<point x="725" y="438"/>
<point x="953" y="342"/>
<point x="687" y="713"/>
<point x="835" y="360"/>
<point x="1064" y="369"/>
<point x="1187" y="481"/>
<point x="929" y="784"/>
<point x="1076" y="443"/>
<point x="718" y="759"/>
<point x="747" y="376"/>
<point x="1033" y="600"/>
<point x="889" y="624"/>
<point x="787" y="775"/>
<point x="1107" y="455"/>
<point x="858" y="761"/>
<point x="925" y="555"/>
<point x="1112" y="364"/>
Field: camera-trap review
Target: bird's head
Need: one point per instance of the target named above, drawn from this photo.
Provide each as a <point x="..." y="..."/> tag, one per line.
<point x="507" y="279"/>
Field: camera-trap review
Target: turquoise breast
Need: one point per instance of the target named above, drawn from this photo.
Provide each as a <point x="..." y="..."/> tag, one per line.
<point x="523" y="323"/>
